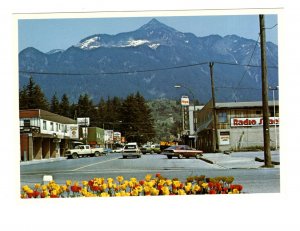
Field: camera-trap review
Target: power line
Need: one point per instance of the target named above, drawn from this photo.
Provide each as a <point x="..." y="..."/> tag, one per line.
<point x="242" y="65"/>
<point x="240" y="88"/>
<point x="112" y="73"/>
<point x="270" y="28"/>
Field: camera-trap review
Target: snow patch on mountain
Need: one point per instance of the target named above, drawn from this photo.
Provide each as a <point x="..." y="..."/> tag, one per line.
<point x="135" y="43"/>
<point x="90" y="43"/>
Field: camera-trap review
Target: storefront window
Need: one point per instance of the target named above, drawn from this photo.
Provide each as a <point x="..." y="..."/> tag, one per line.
<point x="44" y="125"/>
<point x="222" y="118"/>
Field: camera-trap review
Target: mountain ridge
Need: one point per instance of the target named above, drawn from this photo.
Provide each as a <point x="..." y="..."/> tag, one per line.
<point x="152" y="46"/>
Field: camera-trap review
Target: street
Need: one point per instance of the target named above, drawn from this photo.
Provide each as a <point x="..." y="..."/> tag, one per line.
<point x="241" y="166"/>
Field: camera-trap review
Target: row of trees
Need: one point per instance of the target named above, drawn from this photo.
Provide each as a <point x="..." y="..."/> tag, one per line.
<point x="131" y="116"/>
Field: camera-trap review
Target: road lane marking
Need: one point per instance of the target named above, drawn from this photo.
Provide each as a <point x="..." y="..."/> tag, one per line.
<point x="100" y="162"/>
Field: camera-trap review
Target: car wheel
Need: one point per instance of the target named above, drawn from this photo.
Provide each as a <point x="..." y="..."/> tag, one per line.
<point x="169" y="157"/>
<point x="180" y="156"/>
<point x="74" y="155"/>
<point x="97" y="154"/>
<point x="198" y="156"/>
<point x="124" y="157"/>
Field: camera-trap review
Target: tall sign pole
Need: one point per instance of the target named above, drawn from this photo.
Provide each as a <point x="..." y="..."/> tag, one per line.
<point x="215" y="131"/>
<point x="267" y="153"/>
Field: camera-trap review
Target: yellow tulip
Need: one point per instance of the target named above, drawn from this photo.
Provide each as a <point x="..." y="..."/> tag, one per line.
<point x="154" y="191"/>
<point x="110" y="180"/>
<point x="181" y="192"/>
<point x="68" y="182"/>
<point x="64" y="188"/>
<point x="169" y="182"/>
<point x="146" y="189"/>
<point x="166" y="190"/>
<point x="148" y="177"/>
<point x="134" y="192"/>
<point x="120" y="178"/>
<point x="84" y="183"/>
<point x="204" y="185"/>
<point x="37" y="186"/>
<point x="235" y="191"/>
<point x="196" y="188"/>
<point x="104" y="194"/>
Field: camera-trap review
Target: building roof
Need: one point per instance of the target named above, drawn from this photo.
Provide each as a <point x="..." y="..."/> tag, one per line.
<point x="244" y="104"/>
<point x="42" y="114"/>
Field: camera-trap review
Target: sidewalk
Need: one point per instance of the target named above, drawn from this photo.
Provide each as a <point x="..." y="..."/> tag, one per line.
<point x="242" y="160"/>
<point x="42" y="161"/>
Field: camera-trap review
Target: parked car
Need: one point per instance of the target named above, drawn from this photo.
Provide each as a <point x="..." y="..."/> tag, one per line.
<point x="118" y="150"/>
<point x="131" y="149"/>
<point x="181" y="151"/>
<point x="108" y="150"/>
<point x="154" y="148"/>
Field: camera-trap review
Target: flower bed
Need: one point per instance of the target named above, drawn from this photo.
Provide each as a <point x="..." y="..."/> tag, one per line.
<point x="149" y="186"/>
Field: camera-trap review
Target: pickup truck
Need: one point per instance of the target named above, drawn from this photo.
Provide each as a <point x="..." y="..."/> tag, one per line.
<point x="84" y="151"/>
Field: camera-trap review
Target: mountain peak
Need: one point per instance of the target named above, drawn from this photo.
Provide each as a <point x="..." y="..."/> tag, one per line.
<point x="154" y="24"/>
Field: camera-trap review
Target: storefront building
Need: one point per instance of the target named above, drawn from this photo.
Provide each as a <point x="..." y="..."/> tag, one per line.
<point x="95" y="137"/>
<point x="45" y="135"/>
<point x="239" y="126"/>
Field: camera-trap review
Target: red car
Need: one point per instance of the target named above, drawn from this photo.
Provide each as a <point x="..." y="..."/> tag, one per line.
<point x="182" y="151"/>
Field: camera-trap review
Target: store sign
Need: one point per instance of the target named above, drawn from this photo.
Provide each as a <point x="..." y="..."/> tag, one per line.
<point x="108" y="136"/>
<point x="73" y="131"/>
<point x="185" y="101"/>
<point x="83" y="121"/>
<point x="251" y="122"/>
<point x="224" y="138"/>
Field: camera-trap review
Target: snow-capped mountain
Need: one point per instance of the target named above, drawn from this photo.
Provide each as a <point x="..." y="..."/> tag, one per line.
<point x="153" y="46"/>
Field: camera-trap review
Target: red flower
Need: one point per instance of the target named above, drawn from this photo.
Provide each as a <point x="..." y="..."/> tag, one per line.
<point x="75" y="188"/>
<point x="91" y="183"/>
<point x="95" y="188"/>
<point x="35" y="194"/>
<point x="212" y="191"/>
<point x="142" y="182"/>
<point x="158" y="175"/>
<point x="236" y="186"/>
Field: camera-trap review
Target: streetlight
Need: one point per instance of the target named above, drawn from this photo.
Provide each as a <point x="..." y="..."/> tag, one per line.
<point x="273" y="89"/>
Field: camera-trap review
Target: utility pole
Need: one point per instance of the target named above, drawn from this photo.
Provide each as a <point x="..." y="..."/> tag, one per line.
<point x="215" y="131"/>
<point x="267" y="153"/>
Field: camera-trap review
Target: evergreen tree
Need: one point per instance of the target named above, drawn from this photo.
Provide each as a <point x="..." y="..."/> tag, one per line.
<point x="64" y="107"/>
<point x="85" y="108"/>
<point x="137" y="122"/>
<point x="54" y="106"/>
<point x="32" y="97"/>
<point x="101" y="113"/>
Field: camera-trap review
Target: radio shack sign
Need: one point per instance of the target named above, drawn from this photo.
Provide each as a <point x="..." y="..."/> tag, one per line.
<point x="252" y="122"/>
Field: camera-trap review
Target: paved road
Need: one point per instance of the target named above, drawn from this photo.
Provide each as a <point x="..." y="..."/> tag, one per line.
<point x="242" y="166"/>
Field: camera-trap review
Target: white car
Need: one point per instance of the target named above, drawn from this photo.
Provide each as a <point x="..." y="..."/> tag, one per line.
<point x="131" y="149"/>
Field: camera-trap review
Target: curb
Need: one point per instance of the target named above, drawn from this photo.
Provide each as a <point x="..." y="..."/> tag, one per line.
<point x="42" y="161"/>
<point x="207" y="160"/>
<point x="261" y="160"/>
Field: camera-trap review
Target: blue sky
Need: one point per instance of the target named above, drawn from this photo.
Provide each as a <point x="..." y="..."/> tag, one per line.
<point x="49" y="34"/>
